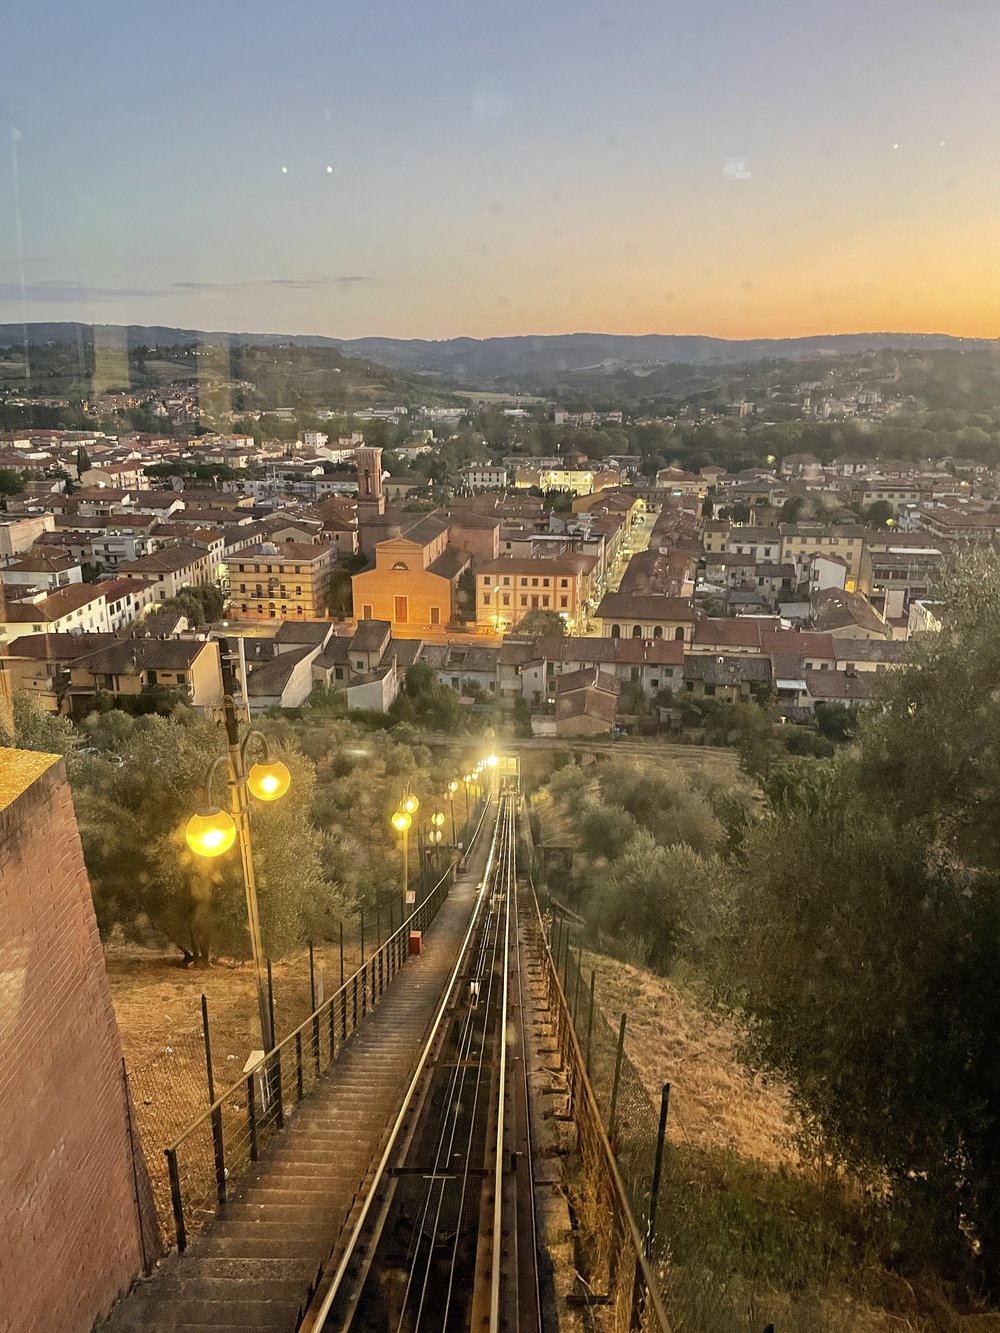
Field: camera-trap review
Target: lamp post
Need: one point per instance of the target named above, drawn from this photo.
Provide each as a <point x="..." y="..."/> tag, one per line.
<point x="496" y="597"/>
<point x="435" y="835"/>
<point x="212" y="831"/>
<point x="401" y="822"/>
<point x="468" y="783"/>
<point x="452" y="789"/>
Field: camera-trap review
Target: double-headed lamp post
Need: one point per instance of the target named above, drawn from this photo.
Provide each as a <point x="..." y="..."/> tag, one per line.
<point x="212" y="831"/>
<point x="401" y="822"/>
<point x="435" y="835"/>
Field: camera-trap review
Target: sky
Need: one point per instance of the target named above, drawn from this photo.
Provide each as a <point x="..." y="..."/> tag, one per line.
<point x="438" y="168"/>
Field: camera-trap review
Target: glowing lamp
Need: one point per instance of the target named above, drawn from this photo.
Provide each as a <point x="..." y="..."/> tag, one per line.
<point x="411" y="805"/>
<point x="401" y="821"/>
<point x="437" y="818"/>
<point x="467" y="779"/>
<point x="211" y="833"/>
<point x="492" y="761"/>
<point x="269" y="781"/>
<point x="453" y="787"/>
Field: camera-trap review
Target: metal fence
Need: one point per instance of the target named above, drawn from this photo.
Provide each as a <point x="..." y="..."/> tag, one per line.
<point x="204" y="1161"/>
<point x="601" y="1095"/>
<point x="168" y="1091"/>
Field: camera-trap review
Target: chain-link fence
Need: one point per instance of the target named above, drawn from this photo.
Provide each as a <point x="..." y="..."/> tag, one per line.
<point x="170" y="1091"/>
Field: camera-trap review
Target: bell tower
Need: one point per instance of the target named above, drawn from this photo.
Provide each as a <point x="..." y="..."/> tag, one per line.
<point x="371" y="499"/>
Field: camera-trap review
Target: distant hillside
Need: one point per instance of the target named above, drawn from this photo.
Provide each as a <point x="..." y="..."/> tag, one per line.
<point x="474" y="361"/>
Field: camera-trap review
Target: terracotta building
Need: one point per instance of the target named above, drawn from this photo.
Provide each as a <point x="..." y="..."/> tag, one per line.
<point x="413" y="577"/>
<point x="281" y="582"/>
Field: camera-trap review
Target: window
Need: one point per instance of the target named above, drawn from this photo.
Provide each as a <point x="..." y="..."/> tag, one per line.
<point x="679" y="634"/>
<point x="564" y="583"/>
<point x="366" y="612"/>
<point x="506" y="578"/>
<point x="636" y="631"/>
<point x="564" y="602"/>
<point x="486" y="599"/>
<point x="359" y="665"/>
<point x="616" y="631"/>
<point x="400" y="610"/>
<point x="534" y="583"/>
<point x="524" y="600"/>
<point x="658" y="632"/>
<point x="710" y="690"/>
<point x="400" y="564"/>
<point x="454" y="682"/>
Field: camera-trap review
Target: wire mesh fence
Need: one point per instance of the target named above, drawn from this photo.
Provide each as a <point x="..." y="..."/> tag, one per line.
<point x="171" y="1090"/>
<point x="215" y="1145"/>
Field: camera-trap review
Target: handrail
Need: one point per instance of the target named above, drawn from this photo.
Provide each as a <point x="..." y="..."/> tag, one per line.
<point x="607" y="1152"/>
<point x="322" y="1009"/>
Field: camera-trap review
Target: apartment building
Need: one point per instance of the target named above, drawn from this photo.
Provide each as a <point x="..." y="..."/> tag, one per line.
<point x="848" y="541"/>
<point x="290" y="580"/>
<point x="508" y="589"/>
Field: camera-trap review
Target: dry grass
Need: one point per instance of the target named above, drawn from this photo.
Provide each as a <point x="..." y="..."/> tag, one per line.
<point x="715" y="1104"/>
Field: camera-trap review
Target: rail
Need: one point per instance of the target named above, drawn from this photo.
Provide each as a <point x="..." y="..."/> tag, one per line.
<point x="205" y="1160"/>
<point x="333" y="1293"/>
<point x="619" y="1250"/>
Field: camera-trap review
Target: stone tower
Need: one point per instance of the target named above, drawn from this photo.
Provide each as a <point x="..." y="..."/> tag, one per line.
<point x="371" y="499"/>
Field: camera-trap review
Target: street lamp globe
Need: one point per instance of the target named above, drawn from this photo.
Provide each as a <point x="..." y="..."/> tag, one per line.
<point x="437" y="819"/>
<point x="401" y="821"/>
<point x="210" y="832"/>
<point x="269" y="781"/>
<point x="410" y="804"/>
<point x="491" y="761"/>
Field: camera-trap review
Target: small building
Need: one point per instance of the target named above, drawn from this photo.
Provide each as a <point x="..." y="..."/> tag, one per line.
<point x="646" y="616"/>
<point x="125" y="669"/>
<point x="729" y="678"/>
<point x="586" y="703"/>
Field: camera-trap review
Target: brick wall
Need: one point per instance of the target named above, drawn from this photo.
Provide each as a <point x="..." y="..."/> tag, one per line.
<point x="74" y="1209"/>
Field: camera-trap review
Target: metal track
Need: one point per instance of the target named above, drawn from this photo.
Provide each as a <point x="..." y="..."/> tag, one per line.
<point x="445" y="1237"/>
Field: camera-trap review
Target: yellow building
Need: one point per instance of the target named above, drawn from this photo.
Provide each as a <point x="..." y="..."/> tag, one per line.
<point x="290" y="581"/>
<point x="508" y="589"/>
<point x="413" y="578"/>
<point x="191" y="666"/>
<point x="847" y="541"/>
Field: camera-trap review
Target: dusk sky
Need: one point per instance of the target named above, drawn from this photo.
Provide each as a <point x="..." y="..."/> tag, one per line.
<point x="731" y="167"/>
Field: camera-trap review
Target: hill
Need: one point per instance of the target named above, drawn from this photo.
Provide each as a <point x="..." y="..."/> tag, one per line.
<point x="488" y="360"/>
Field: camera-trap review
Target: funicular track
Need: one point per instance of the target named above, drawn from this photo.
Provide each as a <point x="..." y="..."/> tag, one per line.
<point x="444" y="1239"/>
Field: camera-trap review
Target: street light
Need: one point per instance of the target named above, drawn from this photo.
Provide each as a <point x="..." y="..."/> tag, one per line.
<point x="401" y="822"/>
<point x="212" y="831"/>
<point x="468" y="783"/>
<point x="452" y="789"/>
<point x="496" y="595"/>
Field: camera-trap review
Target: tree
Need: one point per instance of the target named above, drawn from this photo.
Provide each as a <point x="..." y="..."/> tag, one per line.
<point x="538" y="624"/>
<point x="131" y="822"/>
<point x="879" y="514"/>
<point x="425" y="702"/>
<point x="11" y="483"/>
<point x="864" y="927"/>
<point x="200" y="606"/>
<point x="34" y="729"/>
<point x="791" y="510"/>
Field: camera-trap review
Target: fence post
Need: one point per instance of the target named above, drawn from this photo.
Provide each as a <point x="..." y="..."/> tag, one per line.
<point x="298" y="1065"/>
<point x="590" y="1019"/>
<point x="579" y="978"/>
<point x="218" y="1146"/>
<point x="175" y="1199"/>
<point x="252" y="1115"/>
<point x="362" y="911"/>
<point x="614" y="1086"/>
<point x="312" y="1006"/>
<point x="270" y="1001"/>
<point x="378" y="919"/>
<point x="342" y="954"/>
<point x="654" y="1194"/>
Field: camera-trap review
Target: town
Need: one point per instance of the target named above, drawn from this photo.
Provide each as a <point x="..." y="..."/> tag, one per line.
<point x="577" y="595"/>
